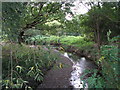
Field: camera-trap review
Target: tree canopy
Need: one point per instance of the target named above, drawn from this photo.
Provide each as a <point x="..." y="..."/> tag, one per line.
<point x="21" y="16"/>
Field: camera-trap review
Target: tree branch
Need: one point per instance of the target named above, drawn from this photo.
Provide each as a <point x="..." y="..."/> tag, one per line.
<point x="40" y="18"/>
<point x="40" y="8"/>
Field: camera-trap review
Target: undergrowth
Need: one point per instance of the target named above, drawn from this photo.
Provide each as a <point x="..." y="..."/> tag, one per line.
<point x="109" y="62"/>
<point x="77" y="41"/>
<point x="23" y="66"/>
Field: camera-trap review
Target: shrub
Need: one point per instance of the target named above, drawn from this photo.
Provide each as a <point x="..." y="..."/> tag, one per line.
<point x="21" y="63"/>
<point x="109" y="63"/>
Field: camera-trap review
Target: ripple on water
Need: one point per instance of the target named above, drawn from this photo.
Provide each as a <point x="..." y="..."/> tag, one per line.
<point x="78" y="69"/>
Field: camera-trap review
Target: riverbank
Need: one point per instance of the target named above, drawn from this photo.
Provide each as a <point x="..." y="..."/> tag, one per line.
<point x="66" y="73"/>
<point x="89" y="53"/>
<point x="59" y="75"/>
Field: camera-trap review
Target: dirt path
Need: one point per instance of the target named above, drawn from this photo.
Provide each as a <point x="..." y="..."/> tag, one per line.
<point x="59" y="75"/>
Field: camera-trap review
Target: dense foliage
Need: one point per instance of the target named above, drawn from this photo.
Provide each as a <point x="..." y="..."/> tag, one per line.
<point x="77" y="41"/>
<point x="110" y="59"/>
<point x="23" y="64"/>
<point x="12" y="15"/>
<point x="21" y="16"/>
<point x="109" y="62"/>
<point x="101" y="18"/>
<point x="43" y="23"/>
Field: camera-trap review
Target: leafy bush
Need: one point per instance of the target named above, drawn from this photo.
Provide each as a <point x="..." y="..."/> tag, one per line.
<point x="22" y="63"/>
<point x="109" y="63"/>
<point x="77" y="41"/>
<point x="95" y="80"/>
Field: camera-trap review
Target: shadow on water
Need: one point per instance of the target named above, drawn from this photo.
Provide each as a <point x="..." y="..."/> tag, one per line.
<point x="80" y="64"/>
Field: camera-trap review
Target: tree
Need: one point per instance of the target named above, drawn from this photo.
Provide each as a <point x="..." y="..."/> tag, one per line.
<point x="11" y="19"/>
<point x="21" y="16"/>
<point x="101" y="18"/>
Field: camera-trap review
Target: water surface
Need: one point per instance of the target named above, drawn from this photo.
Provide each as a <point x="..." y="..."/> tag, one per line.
<point x="79" y="66"/>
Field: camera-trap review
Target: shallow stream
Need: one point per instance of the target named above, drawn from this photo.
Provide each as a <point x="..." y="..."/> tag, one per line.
<point x="79" y="66"/>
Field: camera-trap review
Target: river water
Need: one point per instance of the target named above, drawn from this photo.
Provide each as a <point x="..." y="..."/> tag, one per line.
<point x="79" y="66"/>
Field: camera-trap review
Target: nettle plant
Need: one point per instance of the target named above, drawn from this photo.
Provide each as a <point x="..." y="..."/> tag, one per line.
<point x="22" y="64"/>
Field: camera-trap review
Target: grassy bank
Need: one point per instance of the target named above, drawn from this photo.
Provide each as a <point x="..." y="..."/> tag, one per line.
<point x="77" y="41"/>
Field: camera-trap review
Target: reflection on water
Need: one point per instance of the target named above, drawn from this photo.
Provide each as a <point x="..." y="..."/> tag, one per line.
<point x="78" y="68"/>
<point x="66" y="55"/>
<point x="76" y="73"/>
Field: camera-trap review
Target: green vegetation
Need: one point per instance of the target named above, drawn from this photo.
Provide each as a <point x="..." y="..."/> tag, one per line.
<point x="110" y="59"/>
<point x="77" y="41"/>
<point x="23" y="64"/>
<point x="109" y="62"/>
<point x="45" y="23"/>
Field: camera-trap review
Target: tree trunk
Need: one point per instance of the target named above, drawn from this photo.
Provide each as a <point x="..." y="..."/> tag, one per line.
<point x="98" y="36"/>
<point x="20" y="37"/>
<point x="95" y="35"/>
